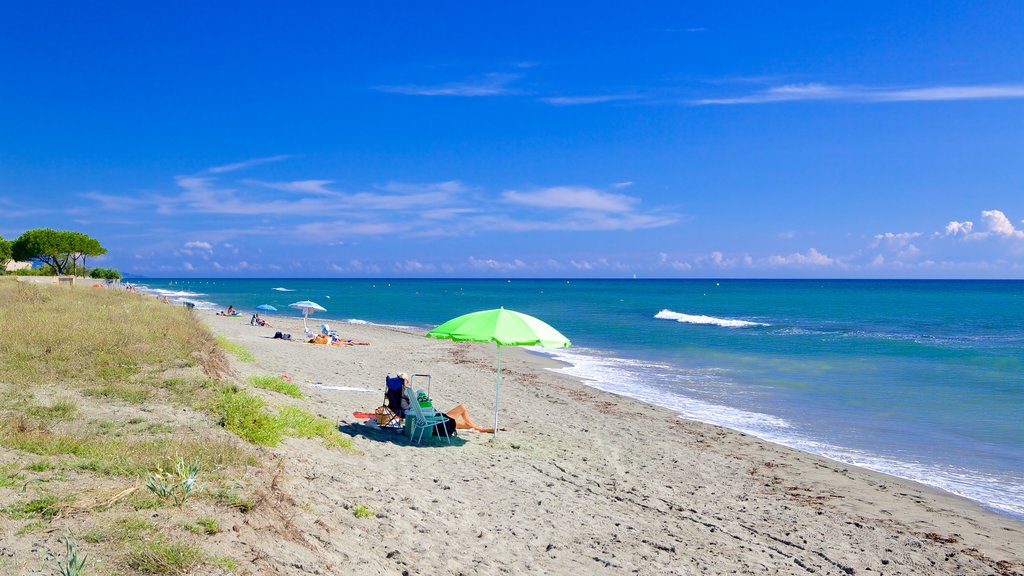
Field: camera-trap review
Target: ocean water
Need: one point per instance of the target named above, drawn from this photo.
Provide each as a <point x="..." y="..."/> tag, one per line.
<point x="919" y="379"/>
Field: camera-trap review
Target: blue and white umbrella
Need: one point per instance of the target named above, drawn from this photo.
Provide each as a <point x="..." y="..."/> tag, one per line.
<point x="266" y="308"/>
<point x="307" y="306"/>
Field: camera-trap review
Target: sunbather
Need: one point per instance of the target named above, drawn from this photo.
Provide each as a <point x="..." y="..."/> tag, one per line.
<point x="462" y="420"/>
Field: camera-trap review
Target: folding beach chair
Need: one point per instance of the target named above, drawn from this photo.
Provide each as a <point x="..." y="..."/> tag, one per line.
<point x="427" y="419"/>
<point x="390" y="414"/>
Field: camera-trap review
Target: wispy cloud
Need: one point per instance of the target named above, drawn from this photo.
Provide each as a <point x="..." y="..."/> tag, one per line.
<point x="584" y="100"/>
<point x="494" y="84"/>
<point x="318" y="187"/>
<point x="577" y="197"/>
<point x="248" y="164"/>
<point x="821" y="92"/>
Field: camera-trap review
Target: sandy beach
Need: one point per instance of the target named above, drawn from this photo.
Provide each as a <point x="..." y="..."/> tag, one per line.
<point x="577" y="481"/>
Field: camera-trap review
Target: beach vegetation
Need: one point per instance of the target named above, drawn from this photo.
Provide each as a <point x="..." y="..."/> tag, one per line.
<point x="105" y="274"/>
<point x="363" y="511"/>
<point x="71" y="564"/>
<point x="233" y="500"/>
<point x="276" y="384"/>
<point x="300" y="423"/>
<point x="123" y="391"/>
<point x="5" y="253"/>
<point x="8" y="477"/>
<point x="55" y="248"/>
<point x="204" y="525"/>
<point x="245" y="414"/>
<point x="159" y="555"/>
<point x="177" y="485"/>
<point x="115" y="337"/>
<point x="235" y="349"/>
<point x="45" y="507"/>
<point x="121" y="530"/>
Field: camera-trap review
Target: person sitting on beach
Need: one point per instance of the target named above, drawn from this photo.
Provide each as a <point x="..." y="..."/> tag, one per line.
<point x="230" y="311"/>
<point x="257" y="321"/>
<point x="460" y="413"/>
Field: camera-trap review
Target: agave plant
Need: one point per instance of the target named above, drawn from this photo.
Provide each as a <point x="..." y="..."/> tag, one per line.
<point x="177" y="485"/>
<point x="71" y="566"/>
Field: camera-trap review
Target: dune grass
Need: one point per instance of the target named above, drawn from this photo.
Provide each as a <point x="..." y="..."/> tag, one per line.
<point x="249" y="416"/>
<point x="275" y="384"/>
<point x="162" y="556"/>
<point x="79" y="335"/>
<point x="119" y="456"/>
<point x="235" y="349"/>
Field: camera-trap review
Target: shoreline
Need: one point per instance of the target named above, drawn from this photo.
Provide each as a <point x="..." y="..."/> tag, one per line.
<point x="584" y="449"/>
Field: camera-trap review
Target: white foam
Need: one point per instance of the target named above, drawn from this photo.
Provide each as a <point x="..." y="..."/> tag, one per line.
<point x="666" y="386"/>
<point x="279" y="289"/>
<point x="701" y="319"/>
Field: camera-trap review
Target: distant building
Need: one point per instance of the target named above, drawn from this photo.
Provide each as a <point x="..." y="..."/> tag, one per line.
<point x="13" y="266"/>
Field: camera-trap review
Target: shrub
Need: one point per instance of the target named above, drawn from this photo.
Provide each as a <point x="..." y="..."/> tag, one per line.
<point x="363" y="511"/>
<point x="104" y="274"/>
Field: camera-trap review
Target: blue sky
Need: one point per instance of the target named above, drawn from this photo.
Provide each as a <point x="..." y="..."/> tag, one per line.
<point x="528" y="139"/>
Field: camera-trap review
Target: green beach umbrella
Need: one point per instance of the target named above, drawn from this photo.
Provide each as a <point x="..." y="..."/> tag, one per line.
<point x="504" y="328"/>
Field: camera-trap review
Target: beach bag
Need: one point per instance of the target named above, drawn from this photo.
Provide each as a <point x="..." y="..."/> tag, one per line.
<point x="448" y="424"/>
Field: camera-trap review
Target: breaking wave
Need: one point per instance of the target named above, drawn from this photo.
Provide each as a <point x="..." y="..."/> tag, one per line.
<point x="701" y="319"/>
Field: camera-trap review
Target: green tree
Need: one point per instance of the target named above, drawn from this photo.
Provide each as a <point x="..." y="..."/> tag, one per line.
<point x="55" y="248"/>
<point x="104" y="273"/>
<point x="5" y="253"/>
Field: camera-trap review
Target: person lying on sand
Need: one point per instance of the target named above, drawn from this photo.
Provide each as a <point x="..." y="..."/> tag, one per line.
<point x="460" y="413"/>
<point x="462" y="420"/>
<point x="257" y="321"/>
<point x="230" y="311"/>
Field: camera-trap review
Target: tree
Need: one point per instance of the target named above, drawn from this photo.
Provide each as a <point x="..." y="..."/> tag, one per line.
<point x="83" y="246"/>
<point x="55" y="248"/>
<point x="5" y="253"/>
<point x="104" y="273"/>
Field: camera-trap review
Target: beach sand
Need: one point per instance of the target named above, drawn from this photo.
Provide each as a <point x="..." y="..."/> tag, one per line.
<point x="578" y="481"/>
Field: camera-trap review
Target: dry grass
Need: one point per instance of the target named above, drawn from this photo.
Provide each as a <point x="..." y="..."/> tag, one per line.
<point x="78" y="335"/>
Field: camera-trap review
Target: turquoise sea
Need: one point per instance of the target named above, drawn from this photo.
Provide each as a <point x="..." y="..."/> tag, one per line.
<point x="919" y="379"/>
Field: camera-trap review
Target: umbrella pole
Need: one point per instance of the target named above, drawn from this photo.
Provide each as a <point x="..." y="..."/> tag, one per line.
<point x="305" y="314"/>
<point x="497" y="393"/>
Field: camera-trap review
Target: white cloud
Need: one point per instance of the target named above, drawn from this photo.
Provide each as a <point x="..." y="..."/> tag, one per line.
<point x="810" y="258"/>
<point x="578" y="197"/>
<point x="819" y="91"/>
<point x="955" y="228"/>
<point x="894" y="239"/>
<point x="248" y="164"/>
<point x="999" y="225"/>
<point x="491" y="264"/>
<point x="199" y="245"/>
<point x="318" y="187"/>
<point x="493" y="84"/>
<point x="584" y="100"/>
<point x="621" y="185"/>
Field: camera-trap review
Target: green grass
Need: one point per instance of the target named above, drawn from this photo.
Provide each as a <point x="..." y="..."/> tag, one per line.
<point x="207" y="526"/>
<point x="115" y="336"/>
<point x="121" y="456"/>
<point x="300" y="423"/>
<point x="129" y="392"/>
<point x="228" y="498"/>
<point x="8" y="477"/>
<point x="161" y="556"/>
<point x="235" y="349"/>
<point x="126" y="529"/>
<point x="59" y="410"/>
<point x="245" y="414"/>
<point x="275" y="384"/>
<point x="46" y="508"/>
<point x="362" y="511"/>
